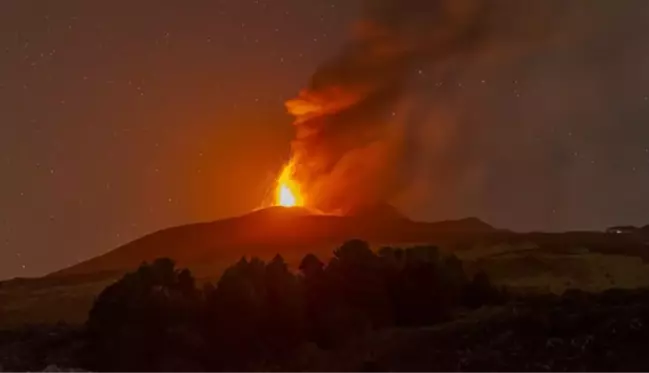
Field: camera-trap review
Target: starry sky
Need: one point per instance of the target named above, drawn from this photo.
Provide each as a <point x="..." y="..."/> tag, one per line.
<point x="119" y="118"/>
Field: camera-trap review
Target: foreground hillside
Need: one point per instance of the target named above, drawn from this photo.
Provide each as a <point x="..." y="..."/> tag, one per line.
<point x="577" y="332"/>
<point x="546" y="262"/>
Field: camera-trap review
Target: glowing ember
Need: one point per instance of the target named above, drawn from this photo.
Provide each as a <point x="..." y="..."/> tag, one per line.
<point x="288" y="190"/>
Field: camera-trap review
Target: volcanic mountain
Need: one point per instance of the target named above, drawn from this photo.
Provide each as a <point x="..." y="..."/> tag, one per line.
<point x="533" y="259"/>
<point x="291" y="232"/>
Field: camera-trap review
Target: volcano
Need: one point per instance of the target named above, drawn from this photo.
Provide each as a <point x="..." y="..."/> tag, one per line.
<point x="207" y="249"/>
<point x="290" y="231"/>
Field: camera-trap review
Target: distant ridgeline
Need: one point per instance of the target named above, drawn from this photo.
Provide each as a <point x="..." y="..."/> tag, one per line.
<point x="628" y="229"/>
<point x="291" y="232"/>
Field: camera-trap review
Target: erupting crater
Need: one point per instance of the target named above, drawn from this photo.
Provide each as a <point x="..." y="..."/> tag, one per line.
<point x="288" y="193"/>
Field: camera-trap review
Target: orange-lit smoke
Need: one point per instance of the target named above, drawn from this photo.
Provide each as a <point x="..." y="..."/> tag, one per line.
<point x="354" y="143"/>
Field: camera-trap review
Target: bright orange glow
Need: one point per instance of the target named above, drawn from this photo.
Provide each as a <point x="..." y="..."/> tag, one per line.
<point x="309" y="105"/>
<point x="287" y="192"/>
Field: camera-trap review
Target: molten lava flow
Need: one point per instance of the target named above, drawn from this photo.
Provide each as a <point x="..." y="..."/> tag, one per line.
<point x="288" y="190"/>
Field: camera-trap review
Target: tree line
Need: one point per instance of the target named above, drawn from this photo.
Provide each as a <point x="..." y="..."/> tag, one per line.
<point x="257" y="314"/>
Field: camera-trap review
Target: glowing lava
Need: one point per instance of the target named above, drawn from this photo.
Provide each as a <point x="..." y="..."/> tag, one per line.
<point x="287" y="192"/>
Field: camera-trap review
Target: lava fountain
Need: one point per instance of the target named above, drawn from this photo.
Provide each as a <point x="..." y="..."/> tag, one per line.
<point x="287" y="192"/>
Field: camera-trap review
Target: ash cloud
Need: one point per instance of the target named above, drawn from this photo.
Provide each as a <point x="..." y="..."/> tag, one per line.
<point x="469" y="107"/>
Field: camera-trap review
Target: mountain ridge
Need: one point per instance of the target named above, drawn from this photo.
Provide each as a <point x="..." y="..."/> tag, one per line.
<point x="269" y="231"/>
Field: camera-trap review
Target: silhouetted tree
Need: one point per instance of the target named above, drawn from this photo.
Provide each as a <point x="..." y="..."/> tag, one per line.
<point x="355" y="272"/>
<point x="311" y="267"/>
<point x="259" y="313"/>
<point x="320" y="302"/>
<point x="480" y="291"/>
<point x="453" y="280"/>
<point x="422" y="254"/>
<point x="140" y="318"/>
<point x="355" y="254"/>
<point x="235" y="312"/>
<point x="283" y="324"/>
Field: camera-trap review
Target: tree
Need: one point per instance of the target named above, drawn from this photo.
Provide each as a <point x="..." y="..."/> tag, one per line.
<point x="453" y="280"/>
<point x="234" y="312"/>
<point x="356" y="274"/>
<point x="480" y="291"/>
<point x="420" y="291"/>
<point x="311" y="267"/>
<point x="283" y="322"/>
<point x="259" y="313"/>
<point x="255" y="312"/>
<point x="137" y="319"/>
<point x="355" y="254"/>
<point x="319" y="302"/>
<point x="423" y="254"/>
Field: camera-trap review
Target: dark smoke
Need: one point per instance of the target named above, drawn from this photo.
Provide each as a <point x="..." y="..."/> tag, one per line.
<point x="414" y="100"/>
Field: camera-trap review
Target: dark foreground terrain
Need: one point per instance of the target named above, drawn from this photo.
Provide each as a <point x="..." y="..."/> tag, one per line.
<point x="552" y="262"/>
<point x="471" y="298"/>
<point x="574" y="332"/>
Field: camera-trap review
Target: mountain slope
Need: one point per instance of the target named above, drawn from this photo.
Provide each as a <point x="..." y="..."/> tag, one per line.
<point x="536" y="260"/>
<point x="290" y="232"/>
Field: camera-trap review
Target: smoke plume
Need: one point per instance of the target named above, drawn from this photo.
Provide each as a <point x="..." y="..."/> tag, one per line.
<point x="405" y="104"/>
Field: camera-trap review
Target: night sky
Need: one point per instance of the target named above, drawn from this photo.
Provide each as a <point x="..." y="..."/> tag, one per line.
<point x="119" y="118"/>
